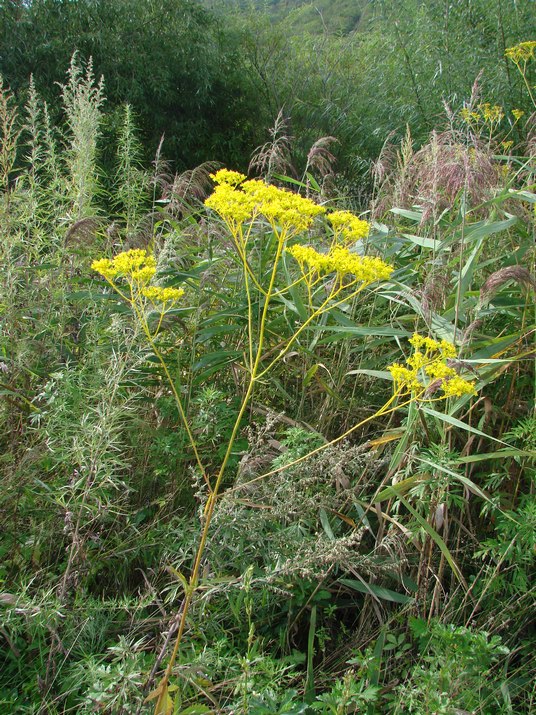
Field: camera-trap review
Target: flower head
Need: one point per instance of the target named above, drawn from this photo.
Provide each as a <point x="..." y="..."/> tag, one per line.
<point x="156" y="294"/>
<point x="523" y="52"/>
<point x="134" y="265"/>
<point x="429" y="363"/>
<point x="238" y="201"/>
<point x="225" y="176"/>
<point x="366" y="269"/>
<point x="105" y="267"/>
<point x="350" y="227"/>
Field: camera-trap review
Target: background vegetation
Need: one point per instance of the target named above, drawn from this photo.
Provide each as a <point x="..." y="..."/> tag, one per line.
<point x="391" y="572"/>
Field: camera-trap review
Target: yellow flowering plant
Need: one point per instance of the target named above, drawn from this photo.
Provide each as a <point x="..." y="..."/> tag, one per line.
<point x="266" y="219"/>
<point x="427" y="370"/>
<point x="521" y="55"/>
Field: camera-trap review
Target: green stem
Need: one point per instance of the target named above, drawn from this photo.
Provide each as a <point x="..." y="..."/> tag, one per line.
<point x="213" y="496"/>
<point x="178" y="401"/>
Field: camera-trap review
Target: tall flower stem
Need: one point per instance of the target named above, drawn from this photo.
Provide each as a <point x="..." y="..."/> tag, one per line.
<point x="214" y="492"/>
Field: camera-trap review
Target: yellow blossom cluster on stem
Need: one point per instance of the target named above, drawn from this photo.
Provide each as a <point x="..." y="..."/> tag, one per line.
<point x="136" y="268"/>
<point x="521" y="53"/>
<point x="135" y="264"/>
<point x="348" y="227"/>
<point x="486" y="114"/>
<point x="340" y="260"/>
<point x="157" y="294"/>
<point x="427" y="366"/>
<point x="238" y="200"/>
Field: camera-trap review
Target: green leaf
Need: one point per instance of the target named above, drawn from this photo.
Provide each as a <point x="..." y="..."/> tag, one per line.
<point x="326" y="525"/>
<point x="434" y="536"/>
<point x="499" y="454"/>
<point x="444" y="417"/>
<point x="372" y="589"/>
<point x="412" y="215"/>
<point x="421" y="241"/>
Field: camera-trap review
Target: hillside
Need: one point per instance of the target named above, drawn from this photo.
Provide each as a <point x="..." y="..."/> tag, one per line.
<point x="323" y="16"/>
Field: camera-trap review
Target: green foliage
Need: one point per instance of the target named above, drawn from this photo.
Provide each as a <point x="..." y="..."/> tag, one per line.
<point x="453" y="672"/>
<point x="314" y="564"/>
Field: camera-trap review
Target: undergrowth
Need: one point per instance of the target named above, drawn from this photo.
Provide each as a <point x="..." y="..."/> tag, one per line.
<point x="278" y="461"/>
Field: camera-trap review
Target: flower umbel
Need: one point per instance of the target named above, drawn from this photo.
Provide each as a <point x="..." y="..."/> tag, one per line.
<point x="238" y="201"/>
<point x="366" y="269"/>
<point x="136" y="265"/>
<point x="156" y="294"/>
<point x="427" y="368"/>
<point x="523" y="52"/>
<point x="137" y="268"/>
<point x="347" y="226"/>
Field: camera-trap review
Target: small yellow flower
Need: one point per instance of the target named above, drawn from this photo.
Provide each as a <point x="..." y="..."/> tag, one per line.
<point x="405" y="379"/>
<point x="156" y="294"/>
<point x="365" y="269"/>
<point x="469" y="116"/>
<point x="231" y="204"/>
<point x="517" y="114"/>
<point x="105" y="267"/>
<point x="429" y="363"/>
<point x="491" y="114"/>
<point x="348" y="226"/>
<point x="225" y="176"/>
<point x="238" y="201"/>
<point x="458" y="387"/>
<point x="134" y="265"/>
<point x="523" y="52"/>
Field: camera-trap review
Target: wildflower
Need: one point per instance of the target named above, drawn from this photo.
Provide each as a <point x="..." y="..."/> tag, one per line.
<point x="105" y="267"/>
<point x="429" y="363"/>
<point x="156" y="294"/>
<point x="458" y="387"/>
<point x="517" y="114"/>
<point x="405" y="379"/>
<point x="469" y="116"/>
<point x="225" y="176"/>
<point x="340" y="260"/>
<point x="348" y="226"/>
<point x="135" y="264"/>
<point x="523" y="52"/>
<point x="320" y="263"/>
<point x="491" y="115"/>
<point x="238" y="201"/>
<point x="364" y="268"/>
<point x="289" y="210"/>
<point x="233" y="205"/>
<point x="507" y="145"/>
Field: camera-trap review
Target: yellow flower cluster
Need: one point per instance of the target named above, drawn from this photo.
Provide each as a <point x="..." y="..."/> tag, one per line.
<point x="226" y="176"/>
<point x="487" y="113"/>
<point x="523" y="52"/>
<point x="517" y="114"/>
<point x="491" y="114"/>
<point x="238" y="200"/>
<point x="429" y="358"/>
<point x="340" y="260"/>
<point x="233" y="205"/>
<point x="135" y="264"/>
<point x="350" y="227"/>
<point x="137" y="268"/>
<point x="156" y="294"/>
